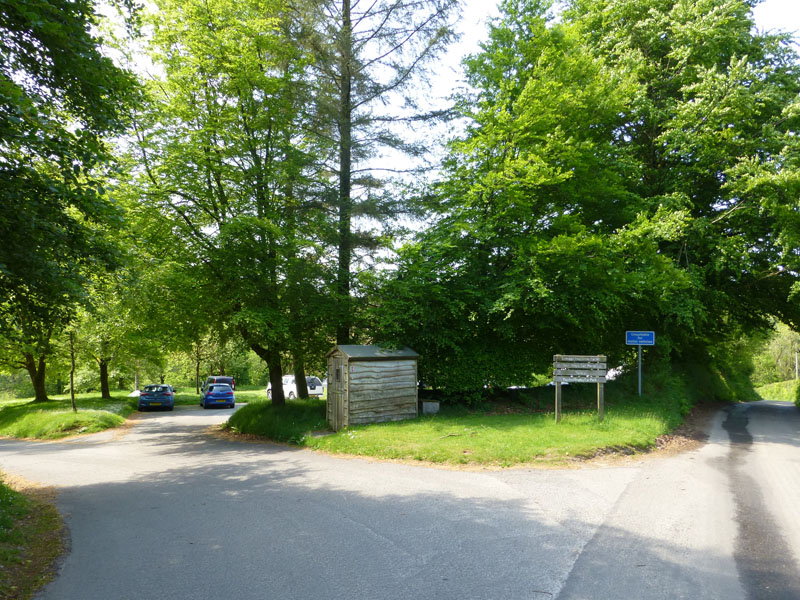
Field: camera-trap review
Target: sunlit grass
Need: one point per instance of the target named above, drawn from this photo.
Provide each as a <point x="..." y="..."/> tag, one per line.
<point x="55" y="419"/>
<point x="13" y="507"/>
<point x="454" y="436"/>
<point x="30" y="540"/>
<point x="251" y="395"/>
<point x="290" y="423"/>
<point x="24" y="418"/>
<point x="522" y="431"/>
<point x="457" y="435"/>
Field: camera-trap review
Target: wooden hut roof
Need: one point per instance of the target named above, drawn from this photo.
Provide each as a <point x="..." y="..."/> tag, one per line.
<point x="372" y="352"/>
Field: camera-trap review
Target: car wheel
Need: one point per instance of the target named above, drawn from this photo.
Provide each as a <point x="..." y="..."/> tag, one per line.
<point x="204" y="405"/>
<point x="171" y="408"/>
<point x="291" y="395"/>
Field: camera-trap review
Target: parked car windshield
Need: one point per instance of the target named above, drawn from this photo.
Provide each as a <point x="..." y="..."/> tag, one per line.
<point x="156" y="388"/>
<point x="313" y="381"/>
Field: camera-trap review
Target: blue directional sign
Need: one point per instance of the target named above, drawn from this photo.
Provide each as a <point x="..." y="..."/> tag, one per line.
<point x="640" y="338"/>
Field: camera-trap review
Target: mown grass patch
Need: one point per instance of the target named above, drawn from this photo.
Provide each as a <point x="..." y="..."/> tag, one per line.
<point x="183" y="399"/>
<point x="54" y="419"/>
<point x="457" y="436"/>
<point x="250" y="394"/>
<point x="30" y="541"/>
<point x="507" y="431"/>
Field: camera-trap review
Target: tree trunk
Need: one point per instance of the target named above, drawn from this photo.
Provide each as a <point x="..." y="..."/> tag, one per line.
<point x="105" y="389"/>
<point x="276" y="378"/>
<point x="72" y="371"/>
<point x="197" y="374"/>
<point x="297" y="325"/>
<point x="300" y="374"/>
<point x="36" y="370"/>
<point x="345" y="125"/>
<point x="275" y="372"/>
<point x="273" y="361"/>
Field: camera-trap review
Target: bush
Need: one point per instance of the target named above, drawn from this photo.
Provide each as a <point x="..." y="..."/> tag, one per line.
<point x="782" y="390"/>
<point x="289" y="423"/>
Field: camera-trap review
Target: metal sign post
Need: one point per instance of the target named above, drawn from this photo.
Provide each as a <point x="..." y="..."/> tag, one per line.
<point x="640" y="338"/>
<point x="639" y="346"/>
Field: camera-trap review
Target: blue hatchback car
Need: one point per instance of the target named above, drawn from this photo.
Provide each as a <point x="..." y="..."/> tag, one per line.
<point x="157" y="396"/>
<point x="218" y="394"/>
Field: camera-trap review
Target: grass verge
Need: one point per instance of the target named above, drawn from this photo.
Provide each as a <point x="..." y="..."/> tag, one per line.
<point x="508" y="431"/>
<point x="291" y="424"/>
<point x="24" y="418"/>
<point x="54" y="419"/>
<point x="458" y="436"/>
<point x="30" y="539"/>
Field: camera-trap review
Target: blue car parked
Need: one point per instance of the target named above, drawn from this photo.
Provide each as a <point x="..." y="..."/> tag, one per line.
<point x="157" y="396"/>
<point x="218" y="394"/>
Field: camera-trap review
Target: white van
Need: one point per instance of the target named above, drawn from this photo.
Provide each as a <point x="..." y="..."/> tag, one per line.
<point x="315" y="388"/>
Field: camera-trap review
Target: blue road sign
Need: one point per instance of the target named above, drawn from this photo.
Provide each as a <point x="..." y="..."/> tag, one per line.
<point x="640" y="338"/>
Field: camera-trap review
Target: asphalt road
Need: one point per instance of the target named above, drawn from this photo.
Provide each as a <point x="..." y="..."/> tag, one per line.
<point x="167" y="512"/>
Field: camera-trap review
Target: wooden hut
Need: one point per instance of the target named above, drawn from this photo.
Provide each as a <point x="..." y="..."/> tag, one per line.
<point x="371" y="384"/>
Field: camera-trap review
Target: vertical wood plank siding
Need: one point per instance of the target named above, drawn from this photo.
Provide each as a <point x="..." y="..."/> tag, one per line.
<point x="336" y="406"/>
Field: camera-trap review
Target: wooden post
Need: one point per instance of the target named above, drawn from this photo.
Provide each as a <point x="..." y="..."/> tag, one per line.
<point x="600" y="404"/>
<point x="72" y="371"/>
<point x="579" y="369"/>
<point x="558" y="402"/>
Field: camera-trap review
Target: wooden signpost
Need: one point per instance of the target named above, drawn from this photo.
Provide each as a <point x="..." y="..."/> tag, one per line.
<point x="576" y="368"/>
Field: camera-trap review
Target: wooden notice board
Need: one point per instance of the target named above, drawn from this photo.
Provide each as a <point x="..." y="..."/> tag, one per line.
<point x="578" y="368"/>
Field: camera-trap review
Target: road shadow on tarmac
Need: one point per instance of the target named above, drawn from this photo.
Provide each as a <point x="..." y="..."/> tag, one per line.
<point x="256" y="521"/>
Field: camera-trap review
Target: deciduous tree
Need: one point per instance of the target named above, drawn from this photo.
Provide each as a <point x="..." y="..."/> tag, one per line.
<point x="631" y="166"/>
<point x="59" y="97"/>
<point x="225" y="157"/>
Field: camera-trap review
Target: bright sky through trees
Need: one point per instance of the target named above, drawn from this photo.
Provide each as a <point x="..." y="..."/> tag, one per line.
<point x="771" y="15"/>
